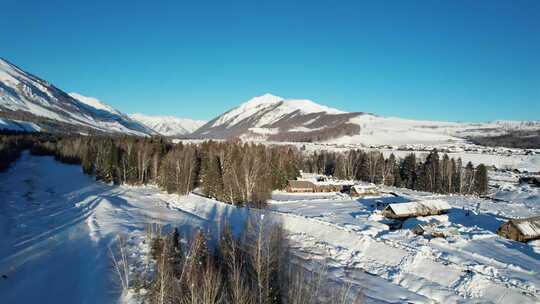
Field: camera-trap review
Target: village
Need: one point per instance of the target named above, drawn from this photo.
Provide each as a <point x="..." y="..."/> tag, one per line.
<point x="460" y="246"/>
<point x="397" y="210"/>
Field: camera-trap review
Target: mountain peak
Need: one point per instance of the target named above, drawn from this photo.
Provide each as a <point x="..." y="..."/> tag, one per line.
<point x="309" y="106"/>
<point x="266" y="99"/>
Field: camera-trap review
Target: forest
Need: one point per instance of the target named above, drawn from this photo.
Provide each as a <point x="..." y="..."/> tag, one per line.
<point x="255" y="267"/>
<point x="240" y="173"/>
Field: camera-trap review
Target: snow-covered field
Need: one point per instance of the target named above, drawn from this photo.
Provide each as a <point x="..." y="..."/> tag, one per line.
<point x="471" y="264"/>
<point x="502" y="158"/>
<point x="56" y="225"/>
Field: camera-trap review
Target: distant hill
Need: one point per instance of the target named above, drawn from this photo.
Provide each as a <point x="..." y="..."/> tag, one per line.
<point x="169" y="125"/>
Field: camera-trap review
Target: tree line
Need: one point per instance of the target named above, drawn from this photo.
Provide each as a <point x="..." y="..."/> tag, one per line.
<point x="233" y="172"/>
<point x="12" y="143"/>
<point x="433" y="174"/>
<point x="241" y="173"/>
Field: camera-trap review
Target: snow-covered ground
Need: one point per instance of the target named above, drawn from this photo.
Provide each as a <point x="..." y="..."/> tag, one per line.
<point x="472" y="264"/>
<point x="56" y="225"/>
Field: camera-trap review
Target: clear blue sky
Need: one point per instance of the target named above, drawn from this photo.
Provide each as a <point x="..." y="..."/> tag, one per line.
<point x="446" y="60"/>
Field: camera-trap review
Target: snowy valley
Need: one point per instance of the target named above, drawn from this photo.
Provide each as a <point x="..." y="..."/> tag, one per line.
<point x="67" y="201"/>
<point x="66" y="229"/>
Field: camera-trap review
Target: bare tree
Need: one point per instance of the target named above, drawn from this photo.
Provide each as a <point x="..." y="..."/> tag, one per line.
<point x="120" y="262"/>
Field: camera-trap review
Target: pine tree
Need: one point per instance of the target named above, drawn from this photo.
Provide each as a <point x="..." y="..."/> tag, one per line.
<point x="481" y="180"/>
<point x="457" y="176"/>
<point x="408" y="171"/>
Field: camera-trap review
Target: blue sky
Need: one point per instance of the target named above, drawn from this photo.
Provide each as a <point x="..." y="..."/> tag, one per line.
<point x="445" y="60"/>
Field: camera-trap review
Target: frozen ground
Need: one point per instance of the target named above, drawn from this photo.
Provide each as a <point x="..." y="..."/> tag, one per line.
<point x="56" y="225"/>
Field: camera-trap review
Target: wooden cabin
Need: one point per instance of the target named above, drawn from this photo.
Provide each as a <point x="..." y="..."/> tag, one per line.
<point x="414" y="209"/>
<point x="300" y="186"/>
<point x="363" y="190"/>
<point x="521" y="230"/>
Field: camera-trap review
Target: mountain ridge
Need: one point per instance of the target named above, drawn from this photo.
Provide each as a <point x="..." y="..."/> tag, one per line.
<point x="25" y="97"/>
<point x="29" y="103"/>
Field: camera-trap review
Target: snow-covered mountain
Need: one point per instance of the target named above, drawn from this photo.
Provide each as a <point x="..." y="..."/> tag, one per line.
<point x="95" y="103"/>
<point x="27" y="98"/>
<point x="32" y="104"/>
<point x="169" y="125"/>
<point x="271" y="117"/>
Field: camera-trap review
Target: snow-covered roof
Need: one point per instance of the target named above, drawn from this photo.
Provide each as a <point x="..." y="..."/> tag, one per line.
<point x="299" y="184"/>
<point x="529" y="227"/>
<point x="419" y="208"/>
<point x="364" y="187"/>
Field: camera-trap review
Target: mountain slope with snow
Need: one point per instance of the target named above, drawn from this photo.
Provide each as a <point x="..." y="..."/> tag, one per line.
<point x="273" y="118"/>
<point x="168" y="125"/>
<point x="377" y="130"/>
<point x="270" y="117"/>
<point x="27" y="98"/>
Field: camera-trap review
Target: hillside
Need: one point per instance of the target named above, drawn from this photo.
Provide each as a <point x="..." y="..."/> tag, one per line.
<point x="30" y="99"/>
<point x="270" y="117"/>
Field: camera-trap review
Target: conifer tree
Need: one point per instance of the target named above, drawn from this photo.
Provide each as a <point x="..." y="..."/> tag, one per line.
<point x="408" y="171"/>
<point x="481" y="180"/>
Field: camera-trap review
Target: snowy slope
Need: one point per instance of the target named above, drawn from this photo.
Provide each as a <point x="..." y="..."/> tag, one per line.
<point x="168" y="125"/>
<point x="377" y="130"/>
<point x="276" y="118"/>
<point x="25" y="97"/>
<point x="94" y="102"/>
